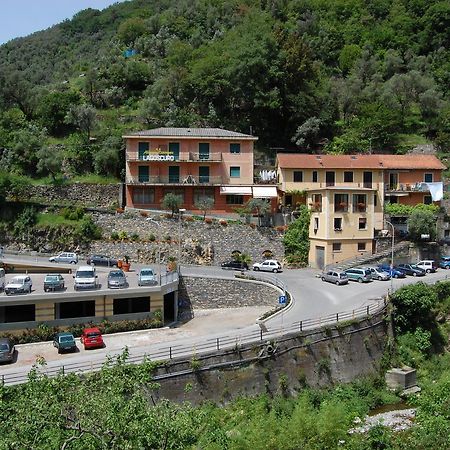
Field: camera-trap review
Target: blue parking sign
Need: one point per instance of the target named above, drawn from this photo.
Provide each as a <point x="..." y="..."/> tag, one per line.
<point x="282" y="299"/>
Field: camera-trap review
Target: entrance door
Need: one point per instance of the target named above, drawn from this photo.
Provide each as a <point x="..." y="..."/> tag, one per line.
<point x="393" y="181"/>
<point x="320" y="256"/>
<point x="203" y="151"/>
<point x="329" y="178"/>
<point x="174" y="148"/>
<point x="174" y="174"/>
<point x="367" y="178"/>
<point x="143" y="174"/>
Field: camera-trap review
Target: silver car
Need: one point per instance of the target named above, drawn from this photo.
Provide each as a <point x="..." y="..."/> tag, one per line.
<point x="65" y="257"/>
<point x="117" y="279"/>
<point x="378" y="274"/>
<point x="335" y="276"/>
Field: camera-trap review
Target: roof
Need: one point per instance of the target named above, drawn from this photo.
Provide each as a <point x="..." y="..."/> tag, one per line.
<point x="186" y="133"/>
<point x="407" y="162"/>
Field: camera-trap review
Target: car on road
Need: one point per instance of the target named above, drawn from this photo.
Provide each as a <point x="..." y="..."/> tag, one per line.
<point x="269" y="265"/>
<point x="359" y="274"/>
<point x="53" y="282"/>
<point x="411" y="269"/>
<point x="20" y="284"/>
<point x="65" y="257"/>
<point x="147" y="277"/>
<point x="65" y="342"/>
<point x="444" y="263"/>
<point x="378" y="274"/>
<point x="92" y="338"/>
<point x="85" y="278"/>
<point x="117" y="279"/>
<point x="394" y="273"/>
<point x="102" y="260"/>
<point x="335" y="276"/>
<point x="236" y="265"/>
<point x="429" y="265"/>
<point x="6" y="350"/>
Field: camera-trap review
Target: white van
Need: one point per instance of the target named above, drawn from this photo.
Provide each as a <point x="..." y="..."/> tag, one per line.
<point x="2" y="279"/>
<point x="85" y="278"/>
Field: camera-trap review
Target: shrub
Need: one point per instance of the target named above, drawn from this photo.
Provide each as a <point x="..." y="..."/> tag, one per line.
<point x="143" y="213"/>
<point x="119" y="210"/>
<point x="123" y="235"/>
<point x="208" y="220"/>
<point x="114" y="236"/>
<point x="73" y="214"/>
<point x="134" y="237"/>
<point x="223" y="223"/>
<point x="168" y="238"/>
<point x="152" y="237"/>
<point x="188" y="219"/>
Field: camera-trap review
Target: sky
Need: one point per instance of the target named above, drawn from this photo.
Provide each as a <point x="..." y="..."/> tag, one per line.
<point x="22" y="17"/>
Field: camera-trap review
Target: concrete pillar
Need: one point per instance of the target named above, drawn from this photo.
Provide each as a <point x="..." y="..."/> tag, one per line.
<point x="104" y="306"/>
<point x="157" y="303"/>
<point x="44" y="312"/>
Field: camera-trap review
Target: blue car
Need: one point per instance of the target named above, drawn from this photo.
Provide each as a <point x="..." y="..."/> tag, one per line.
<point x="444" y="263"/>
<point x="394" y="273"/>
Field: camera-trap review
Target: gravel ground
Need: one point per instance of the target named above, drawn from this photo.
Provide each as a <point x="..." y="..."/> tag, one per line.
<point x="398" y="420"/>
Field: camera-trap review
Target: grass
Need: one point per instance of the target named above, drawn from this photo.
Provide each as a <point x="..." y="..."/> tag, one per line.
<point x="412" y="139"/>
<point x="49" y="219"/>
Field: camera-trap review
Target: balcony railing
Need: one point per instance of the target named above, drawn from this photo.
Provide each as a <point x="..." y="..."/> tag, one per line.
<point x="407" y="187"/>
<point x="183" y="157"/>
<point x="185" y="180"/>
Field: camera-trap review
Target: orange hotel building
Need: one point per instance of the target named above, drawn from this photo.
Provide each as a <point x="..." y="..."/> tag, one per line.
<point x="192" y="163"/>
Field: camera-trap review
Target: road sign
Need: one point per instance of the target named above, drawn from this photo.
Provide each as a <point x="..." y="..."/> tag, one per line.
<point x="282" y="299"/>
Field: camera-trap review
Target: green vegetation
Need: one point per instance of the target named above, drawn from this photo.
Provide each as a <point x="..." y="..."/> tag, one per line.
<point x="400" y="209"/>
<point x="296" y="239"/>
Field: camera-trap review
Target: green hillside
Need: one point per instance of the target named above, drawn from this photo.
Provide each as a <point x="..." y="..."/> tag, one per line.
<point x="307" y="75"/>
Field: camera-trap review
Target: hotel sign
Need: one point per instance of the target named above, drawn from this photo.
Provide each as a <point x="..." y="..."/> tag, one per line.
<point x="158" y="155"/>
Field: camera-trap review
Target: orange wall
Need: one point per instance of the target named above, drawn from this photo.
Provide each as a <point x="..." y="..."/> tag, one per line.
<point x="413" y="176"/>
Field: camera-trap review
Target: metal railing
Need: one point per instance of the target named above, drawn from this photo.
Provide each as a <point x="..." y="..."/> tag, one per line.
<point x="182" y="179"/>
<point x="182" y="157"/>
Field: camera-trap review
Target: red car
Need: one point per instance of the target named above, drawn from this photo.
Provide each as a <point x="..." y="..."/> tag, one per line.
<point x="92" y="338"/>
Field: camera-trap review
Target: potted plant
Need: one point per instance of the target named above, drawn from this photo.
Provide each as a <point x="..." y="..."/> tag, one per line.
<point x="126" y="263"/>
<point x="172" y="264"/>
<point x="361" y="206"/>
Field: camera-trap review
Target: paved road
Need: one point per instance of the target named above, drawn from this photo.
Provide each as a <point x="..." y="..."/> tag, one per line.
<point x="312" y="298"/>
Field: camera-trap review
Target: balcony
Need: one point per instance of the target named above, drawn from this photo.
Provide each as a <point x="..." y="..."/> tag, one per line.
<point x="168" y="158"/>
<point x="191" y="180"/>
<point x="407" y="187"/>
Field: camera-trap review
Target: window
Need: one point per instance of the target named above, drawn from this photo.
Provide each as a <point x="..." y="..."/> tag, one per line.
<point x="362" y="223"/>
<point x="329" y="178"/>
<point x="359" y="202"/>
<point x="361" y="246"/>
<point x="367" y="179"/>
<point x="203" y="151"/>
<point x="337" y="246"/>
<point x="337" y="224"/>
<point x="316" y="224"/>
<point x="235" y="199"/>
<point x="235" y="148"/>
<point x="143" y="174"/>
<point x="427" y="200"/>
<point x="340" y="202"/>
<point x="375" y="199"/>
<point x="174" y="148"/>
<point x="174" y="174"/>
<point x="316" y="202"/>
<point x="142" y="148"/>
<point x="428" y="178"/>
<point x="143" y="196"/>
<point x="235" y="172"/>
<point x="298" y="176"/>
<point x="203" y="174"/>
<point x="348" y="177"/>
<point x="202" y="193"/>
<point x="314" y="176"/>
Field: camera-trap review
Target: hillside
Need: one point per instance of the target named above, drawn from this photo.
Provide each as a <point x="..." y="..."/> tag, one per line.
<point x="342" y="76"/>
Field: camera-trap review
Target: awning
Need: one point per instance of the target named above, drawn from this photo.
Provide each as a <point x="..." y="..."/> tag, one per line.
<point x="235" y="190"/>
<point x="265" y="192"/>
<point x="397" y="194"/>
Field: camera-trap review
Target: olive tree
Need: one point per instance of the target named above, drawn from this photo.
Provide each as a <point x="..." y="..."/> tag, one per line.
<point x="172" y="202"/>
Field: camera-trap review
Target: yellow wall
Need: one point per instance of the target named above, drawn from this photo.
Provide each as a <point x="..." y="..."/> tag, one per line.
<point x="45" y="312"/>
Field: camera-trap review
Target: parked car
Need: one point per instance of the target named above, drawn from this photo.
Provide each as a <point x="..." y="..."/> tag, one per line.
<point x="445" y="241"/>
<point x="445" y="262"/>
<point x="117" y="279"/>
<point x="359" y="274"/>
<point x="6" y="350"/>
<point x="394" y="273"/>
<point x="53" y="282"/>
<point x="2" y="278"/>
<point x="20" y="284"/>
<point x="335" y="276"/>
<point x="85" y="278"/>
<point x="65" y="257"/>
<point x="102" y="260"/>
<point x="269" y="265"/>
<point x="428" y="265"/>
<point x="378" y="274"/>
<point x="236" y="265"/>
<point x="92" y="338"/>
<point x="147" y="277"/>
<point x="65" y="342"/>
<point x="411" y="269"/>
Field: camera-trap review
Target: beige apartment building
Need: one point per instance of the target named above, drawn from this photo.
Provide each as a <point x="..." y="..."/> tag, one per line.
<point x="347" y="193"/>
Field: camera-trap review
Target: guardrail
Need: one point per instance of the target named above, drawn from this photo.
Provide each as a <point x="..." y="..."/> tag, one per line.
<point x="208" y="345"/>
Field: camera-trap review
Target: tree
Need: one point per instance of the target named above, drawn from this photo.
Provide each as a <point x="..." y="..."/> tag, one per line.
<point x="172" y="202"/>
<point x="50" y="160"/>
<point x="259" y="206"/>
<point x="296" y="239"/>
<point x="307" y="133"/>
<point x="130" y="29"/>
<point x="204" y="205"/>
<point x="106" y="157"/>
<point x="421" y="222"/>
<point x="84" y="117"/>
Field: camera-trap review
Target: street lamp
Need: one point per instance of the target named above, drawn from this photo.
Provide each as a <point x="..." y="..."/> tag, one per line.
<point x="180" y="215"/>
<point x="392" y="254"/>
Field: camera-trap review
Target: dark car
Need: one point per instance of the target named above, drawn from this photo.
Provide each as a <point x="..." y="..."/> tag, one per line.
<point x="411" y="269"/>
<point x="102" y="260"/>
<point x="6" y="350"/>
<point x="394" y="273"/>
<point x="53" y="282"/>
<point x="65" y="342"/>
<point x="236" y="265"/>
<point x="117" y="279"/>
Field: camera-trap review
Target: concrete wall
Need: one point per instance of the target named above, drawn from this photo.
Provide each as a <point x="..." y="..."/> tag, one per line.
<point x="315" y="358"/>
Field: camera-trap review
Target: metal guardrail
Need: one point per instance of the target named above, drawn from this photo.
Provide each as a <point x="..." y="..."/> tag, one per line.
<point x="207" y="345"/>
